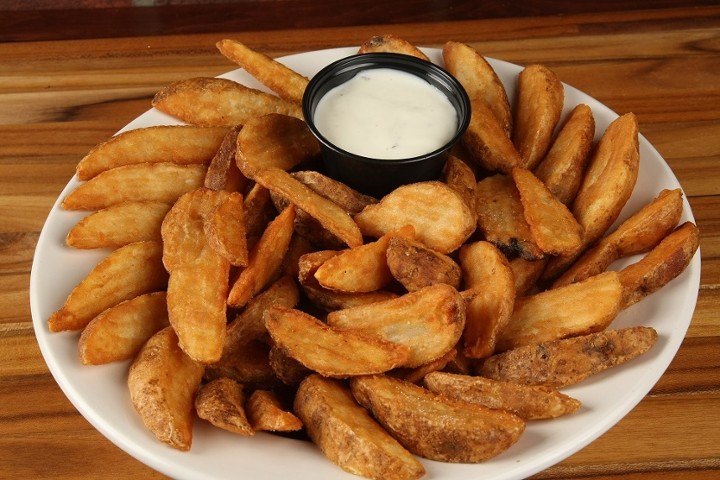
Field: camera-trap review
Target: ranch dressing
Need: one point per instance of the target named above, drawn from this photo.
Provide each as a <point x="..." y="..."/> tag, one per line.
<point x="386" y="114"/>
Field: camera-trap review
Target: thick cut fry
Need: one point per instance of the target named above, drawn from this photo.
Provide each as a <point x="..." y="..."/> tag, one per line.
<point x="429" y="322"/>
<point x="127" y="272"/>
<point x="119" y="332"/>
<point x="259" y="210"/>
<point x="225" y="230"/>
<point x="487" y="142"/>
<point x="163" y="400"/>
<point x="416" y="266"/>
<point x="267" y="414"/>
<point x="347" y="434"/>
<point x="288" y="370"/>
<point x="664" y="262"/>
<point x="390" y="43"/>
<point x="479" y="80"/>
<point x="328" y="351"/>
<point x="265" y="259"/>
<point x="565" y="362"/>
<point x="529" y="402"/>
<point x="328" y="213"/>
<point x="552" y="225"/>
<point x="577" y="309"/>
<point x="461" y="178"/>
<point x="538" y="106"/>
<point x="181" y="144"/>
<point x="222" y="403"/>
<point x="284" y="81"/>
<point x="441" y="218"/>
<point x="159" y="182"/>
<point x="526" y="274"/>
<point x="119" y="225"/>
<point x="223" y="172"/>
<point x="219" y="102"/>
<point x="487" y="273"/>
<point x="564" y="164"/>
<point x="274" y="140"/>
<point x="501" y="218"/>
<point x="434" y="426"/>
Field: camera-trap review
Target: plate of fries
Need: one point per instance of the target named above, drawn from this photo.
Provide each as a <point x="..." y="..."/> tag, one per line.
<point x="158" y="257"/>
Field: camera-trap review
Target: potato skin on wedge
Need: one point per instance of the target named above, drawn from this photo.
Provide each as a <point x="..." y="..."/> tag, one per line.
<point x="348" y="436"/>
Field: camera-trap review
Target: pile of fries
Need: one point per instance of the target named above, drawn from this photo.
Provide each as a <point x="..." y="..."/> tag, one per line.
<point x="250" y="290"/>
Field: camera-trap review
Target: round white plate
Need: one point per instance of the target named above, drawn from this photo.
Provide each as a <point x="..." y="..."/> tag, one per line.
<point x="100" y="393"/>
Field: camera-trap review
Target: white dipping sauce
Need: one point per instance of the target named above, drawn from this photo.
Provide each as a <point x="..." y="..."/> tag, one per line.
<point x="386" y="114"/>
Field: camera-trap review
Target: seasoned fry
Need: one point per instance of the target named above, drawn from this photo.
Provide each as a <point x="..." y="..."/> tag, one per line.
<point x="390" y="43"/>
<point x="221" y="402"/>
<point x="223" y="173"/>
<point x="266" y="413"/>
<point x="160" y="182"/>
<point x="434" y="426"/>
<point x="284" y="81"/>
<point x="347" y="434"/>
<point x="416" y="266"/>
<point x="565" y="362"/>
<point x="225" y="230"/>
<point x="163" y="401"/>
<point x="461" y="178"/>
<point x="119" y="225"/>
<point x="209" y="101"/>
<point x="487" y="142"/>
<point x="127" y="272"/>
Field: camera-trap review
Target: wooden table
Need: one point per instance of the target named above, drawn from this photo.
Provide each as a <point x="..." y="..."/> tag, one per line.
<point x="58" y="98"/>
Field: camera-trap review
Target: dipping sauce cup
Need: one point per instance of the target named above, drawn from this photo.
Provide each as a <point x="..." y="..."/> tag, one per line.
<point x="418" y="118"/>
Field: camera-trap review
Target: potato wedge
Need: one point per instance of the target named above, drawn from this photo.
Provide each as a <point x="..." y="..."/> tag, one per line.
<point x="266" y="413"/>
<point x="219" y="102"/>
<point x="225" y="230"/>
<point x="429" y="322"/>
<point x="288" y="370"/>
<point x="180" y="144"/>
<point x="389" y="43"/>
<point x="159" y="182"/>
<point x="461" y="178"/>
<point x="526" y="274"/>
<point x="125" y="273"/>
<point x="223" y="172"/>
<point x="441" y="218"/>
<point x="347" y="434"/>
<point x="344" y="353"/>
<point x="529" y="402"/>
<point x="416" y="374"/>
<point x="568" y="361"/>
<point x="538" y="105"/>
<point x="165" y="402"/>
<point x="434" y="426"/>
<point x="284" y="81"/>
<point x="119" y="225"/>
<point x="119" y="332"/>
<point x="487" y="142"/>
<point x="248" y="365"/>
<point x="259" y="211"/>
<point x="416" y="266"/>
<point x="563" y="312"/>
<point x="222" y="403"/>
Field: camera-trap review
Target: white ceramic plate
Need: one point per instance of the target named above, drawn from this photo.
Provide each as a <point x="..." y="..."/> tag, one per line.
<point x="101" y="396"/>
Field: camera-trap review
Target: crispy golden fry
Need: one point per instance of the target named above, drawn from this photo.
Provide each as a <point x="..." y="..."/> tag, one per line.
<point x="348" y="436"/>
<point x="164" y="401"/>
<point x="479" y="79"/>
<point x="664" y="262"/>
<point x="219" y="102"/>
<point x="225" y="230"/>
<point x="461" y="178"/>
<point x="390" y="43"/>
<point x="487" y="142"/>
<point x="160" y="182"/>
<point x="552" y="225"/>
<point x="538" y="106"/>
<point x="357" y="269"/>
<point x="181" y="144"/>
<point x="222" y="403"/>
<point x="284" y="81"/>
<point x="416" y="374"/>
<point x="565" y="362"/>
<point x="576" y="309"/>
<point x="564" y="164"/>
<point x="416" y="266"/>
<point x="288" y="370"/>
<point x="638" y="234"/>
<point x="119" y="332"/>
<point x="127" y="272"/>
<point x="223" y="172"/>
<point x="487" y="273"/>
<point x="265" y="259"/>
<point x="501" y="218"/>
<point x="274" y="140"/>
<point x="526" y="274"/>
<point x="529" y="402"/>
<point x="266" y="413"/>
<point x="248" y="365"/>
<point x="429" y="322"/>
<point x="328" y="213"/>
<point x="344" y="352"/>
<point x="441" y="218"/>
<point x="434" y="426"/>
<point x="119" y="225"/>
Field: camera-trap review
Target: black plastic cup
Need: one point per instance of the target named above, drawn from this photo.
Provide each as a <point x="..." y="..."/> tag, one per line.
<point x="378" y="177"/>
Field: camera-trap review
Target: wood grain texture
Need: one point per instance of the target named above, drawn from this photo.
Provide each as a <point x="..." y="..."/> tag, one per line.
<point x="61" y="94"/>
